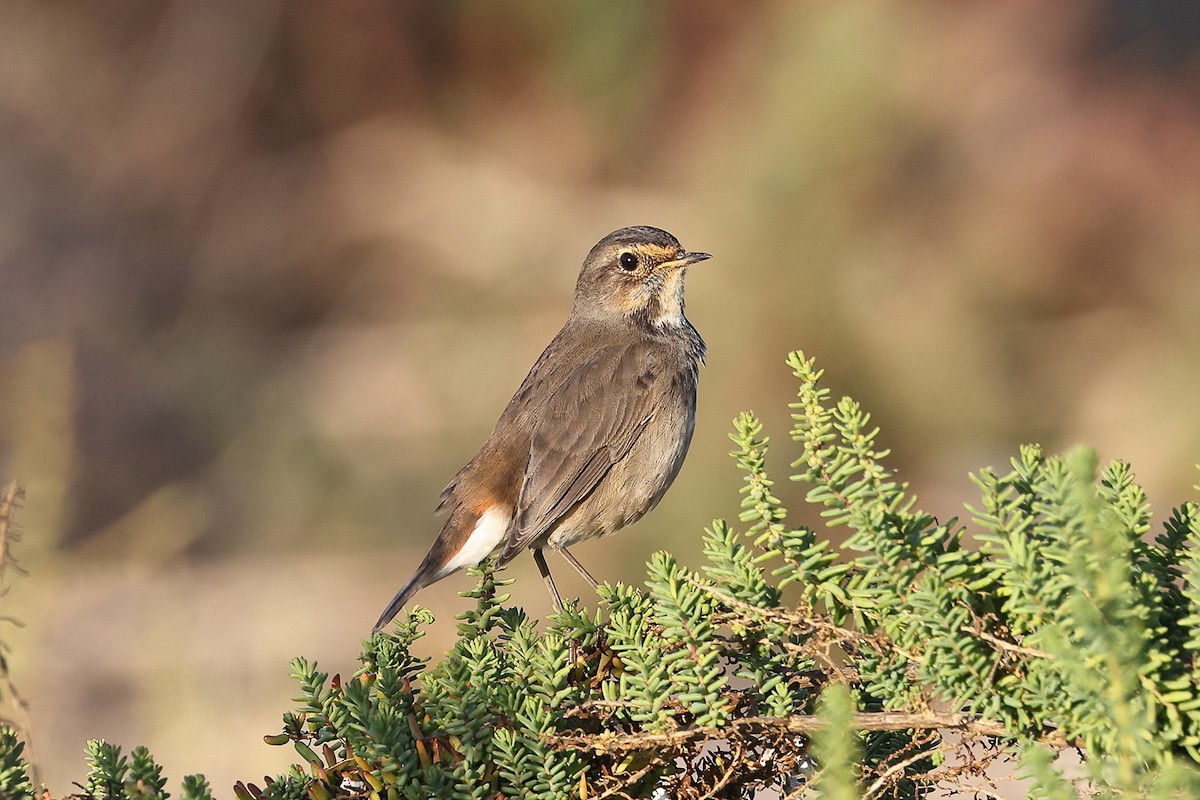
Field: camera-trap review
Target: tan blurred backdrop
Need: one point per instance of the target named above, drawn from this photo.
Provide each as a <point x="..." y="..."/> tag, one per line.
<point x="269" y="271"/>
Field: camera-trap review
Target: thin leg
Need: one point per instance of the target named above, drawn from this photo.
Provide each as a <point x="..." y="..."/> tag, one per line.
<point x="544" y="569"/>
<point x="574" y="562"/>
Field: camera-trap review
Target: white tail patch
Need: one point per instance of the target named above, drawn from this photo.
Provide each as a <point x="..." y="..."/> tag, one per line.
<point x="487" y="535"/>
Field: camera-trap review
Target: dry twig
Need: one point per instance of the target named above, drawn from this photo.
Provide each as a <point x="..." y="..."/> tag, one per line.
<point x="796" y="724"/>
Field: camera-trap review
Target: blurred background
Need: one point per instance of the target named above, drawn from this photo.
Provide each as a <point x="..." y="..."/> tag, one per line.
<point x="269" y="272"/>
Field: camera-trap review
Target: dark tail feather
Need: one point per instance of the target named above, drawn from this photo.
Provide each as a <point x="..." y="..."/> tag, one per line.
<point x="433" y="565"/>
<point x="393" y="608"/>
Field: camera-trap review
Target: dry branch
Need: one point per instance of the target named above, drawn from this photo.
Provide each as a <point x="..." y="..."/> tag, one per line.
<point x="613" y="743"/>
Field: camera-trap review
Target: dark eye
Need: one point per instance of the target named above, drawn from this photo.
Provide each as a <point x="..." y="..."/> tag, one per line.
<point x="628" y="262"/>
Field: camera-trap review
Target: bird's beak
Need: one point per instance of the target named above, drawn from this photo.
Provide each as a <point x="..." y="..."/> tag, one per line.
<point x="686" y="259"/>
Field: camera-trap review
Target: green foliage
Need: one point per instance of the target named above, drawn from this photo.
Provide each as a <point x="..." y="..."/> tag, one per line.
<point x="145" y="777"/>
<point x="912" y="658"/>
<point x="1064" y="628"/>
<point x="194" y="787"/>
<point x="113" y="776"/>
<point x="14" y="773"/>
<point x="835" y="746"/>
<point x="107" y="769"/>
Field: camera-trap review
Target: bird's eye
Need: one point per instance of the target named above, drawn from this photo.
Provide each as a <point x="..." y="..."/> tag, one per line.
<point x="628" y="262"/>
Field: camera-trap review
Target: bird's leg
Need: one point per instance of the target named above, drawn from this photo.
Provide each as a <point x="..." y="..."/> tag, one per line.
<point x="574" y="562"/>
<point x="601" y="638"/>
<point x="544" y="569"/>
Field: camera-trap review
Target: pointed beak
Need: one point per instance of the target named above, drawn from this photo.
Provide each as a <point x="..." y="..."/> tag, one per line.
<point x="686" y="259"/>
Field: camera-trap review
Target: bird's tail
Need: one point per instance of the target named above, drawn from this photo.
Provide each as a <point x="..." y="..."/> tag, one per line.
<point x="393" y="608"/>
<point x="451" y="551"/>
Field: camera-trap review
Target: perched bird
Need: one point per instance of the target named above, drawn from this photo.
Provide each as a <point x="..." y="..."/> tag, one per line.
<point x="599" y="428"/>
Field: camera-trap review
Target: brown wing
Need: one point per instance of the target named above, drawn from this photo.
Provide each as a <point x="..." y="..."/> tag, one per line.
<point x="588" y="425"/>
<point x="501" y="461"/>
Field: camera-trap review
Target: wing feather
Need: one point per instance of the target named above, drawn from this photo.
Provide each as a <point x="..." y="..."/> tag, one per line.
<point x="589" y="424"/>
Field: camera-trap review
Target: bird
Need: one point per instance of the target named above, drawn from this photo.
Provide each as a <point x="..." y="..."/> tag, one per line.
<point x="597" y="431"/>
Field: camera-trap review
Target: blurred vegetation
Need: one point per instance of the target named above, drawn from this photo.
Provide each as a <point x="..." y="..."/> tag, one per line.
<point x="269" y="272"/>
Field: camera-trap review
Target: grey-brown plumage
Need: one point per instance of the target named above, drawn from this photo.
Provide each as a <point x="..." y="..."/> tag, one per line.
<point x="599" y="428"/>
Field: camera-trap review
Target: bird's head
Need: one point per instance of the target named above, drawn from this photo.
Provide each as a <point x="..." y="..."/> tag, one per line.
<point x="636" y="273"/>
